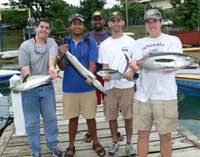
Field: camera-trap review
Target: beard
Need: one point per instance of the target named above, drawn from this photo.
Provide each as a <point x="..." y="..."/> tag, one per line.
<point x="98" y="28"/>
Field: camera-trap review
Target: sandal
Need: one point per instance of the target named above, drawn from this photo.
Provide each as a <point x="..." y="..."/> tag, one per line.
<point x="87" y="138"/>
<point x="119" y="136"/>
<point x="70" y="151"/>
<point x="99" y="149"/>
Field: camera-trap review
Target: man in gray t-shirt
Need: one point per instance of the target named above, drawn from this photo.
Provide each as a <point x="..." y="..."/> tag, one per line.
<point x="37" y="56"/>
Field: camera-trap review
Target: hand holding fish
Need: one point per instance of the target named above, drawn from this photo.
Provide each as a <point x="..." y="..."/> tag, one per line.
<point x="129" y="75"/>
<point x="89" y="81"/>
<point x="107" y="77"/>
<point x="53" y="73"/>
<point x="62" y="50"/>
<point x="133" y="64"/>
<point x="167" y="70"/>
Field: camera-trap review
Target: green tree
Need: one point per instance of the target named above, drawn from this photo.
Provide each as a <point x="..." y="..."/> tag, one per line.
<point x="187" y="14"/>
<point x="55" y="10"/>
<point x="15" y="18"/>
<point x="87" y="7"/>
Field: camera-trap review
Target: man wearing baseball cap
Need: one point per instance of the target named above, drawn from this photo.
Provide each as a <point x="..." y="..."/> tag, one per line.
<point x="79" y="95"/>
<point x="99" y="34"/>
<point x="76" y="16"/>
<point x="119" y="92"/>
<point x="156" y="95"/>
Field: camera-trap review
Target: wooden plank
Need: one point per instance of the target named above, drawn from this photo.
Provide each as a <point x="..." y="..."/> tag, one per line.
<point x="5" y="138"/>
<point x="188" y="76"/>
<point x="18" y="146"/>
<point x="85" y="148"/>
<point x="194" y="139"/>
<point x="186" y="152"/>
<point x="104" y="133"/>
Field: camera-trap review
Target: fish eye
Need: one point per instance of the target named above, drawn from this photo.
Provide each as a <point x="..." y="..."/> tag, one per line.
<point x="188" y="58"/>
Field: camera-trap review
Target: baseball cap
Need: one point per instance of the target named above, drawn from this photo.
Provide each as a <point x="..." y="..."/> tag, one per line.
<point x="152" y="14"/>
<point x="115" y="14"/>
<point x="76" y="16"/>
<point x="97" y="13"/>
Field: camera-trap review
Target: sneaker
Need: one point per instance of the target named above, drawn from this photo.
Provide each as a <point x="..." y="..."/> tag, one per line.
<point x="56" y="152"/>
<point x="36" y="155"/>
<point x="113" y="148"/>
<point x="130" y="150"/>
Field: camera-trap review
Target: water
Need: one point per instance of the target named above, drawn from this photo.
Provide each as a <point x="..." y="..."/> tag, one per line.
<point x="5" y="91"/>
<point x="4" y="104"/>
<point x="189" y="113"/>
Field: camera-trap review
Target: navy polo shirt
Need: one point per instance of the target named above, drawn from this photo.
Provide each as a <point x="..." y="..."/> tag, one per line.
<point x="73" y="82"/>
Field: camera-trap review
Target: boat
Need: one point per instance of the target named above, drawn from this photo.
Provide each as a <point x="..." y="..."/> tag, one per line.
<point x="5" y="75"/>
<point x="9" y="54"/>
<point x="188" y="81"/>
<point x="192" y="49"/>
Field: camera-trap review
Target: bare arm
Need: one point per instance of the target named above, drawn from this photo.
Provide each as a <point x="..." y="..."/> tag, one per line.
<point x="105" y="66"/>
<point x="61" y="60"/>
<point x="92" y="66"/>
<point x="52" y="64"/>
<point x="107" y="77"/>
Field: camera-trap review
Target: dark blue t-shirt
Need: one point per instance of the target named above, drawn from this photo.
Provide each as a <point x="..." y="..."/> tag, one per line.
<point x="84" y="51"/>
<point x="99" y="38"/>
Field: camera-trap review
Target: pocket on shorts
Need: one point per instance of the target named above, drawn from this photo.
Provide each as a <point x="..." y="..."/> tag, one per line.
<point x="171" y="109"/>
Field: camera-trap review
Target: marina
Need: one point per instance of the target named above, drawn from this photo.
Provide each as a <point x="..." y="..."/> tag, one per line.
<point x="185" y="143"/>
<point x="5" y="75"/>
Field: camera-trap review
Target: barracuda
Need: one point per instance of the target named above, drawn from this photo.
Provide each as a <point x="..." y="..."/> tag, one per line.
<point x="85" y="73"/>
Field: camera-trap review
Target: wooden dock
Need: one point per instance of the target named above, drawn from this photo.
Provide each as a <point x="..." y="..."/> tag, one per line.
<point x="184" y="143"/>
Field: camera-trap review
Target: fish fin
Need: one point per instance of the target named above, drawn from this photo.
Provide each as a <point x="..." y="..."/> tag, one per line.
<point x="25" y="78"/>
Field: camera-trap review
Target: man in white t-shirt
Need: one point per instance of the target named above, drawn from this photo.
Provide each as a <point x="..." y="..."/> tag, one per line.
<point x="156" y="95"/>
<point x="119" y="92"/>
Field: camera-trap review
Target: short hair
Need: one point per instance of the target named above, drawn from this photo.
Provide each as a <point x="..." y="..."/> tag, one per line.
<point x="42" y="20"/>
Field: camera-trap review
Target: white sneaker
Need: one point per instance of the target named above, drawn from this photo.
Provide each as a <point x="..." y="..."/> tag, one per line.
<point x="113" y="148"/>
<point x="130" y="150"/>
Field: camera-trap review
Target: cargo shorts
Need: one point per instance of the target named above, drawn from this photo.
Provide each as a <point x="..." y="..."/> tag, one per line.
<point x="76" y="103"/>
<point x="118" y="100"/>
<point x="163" y="113"/>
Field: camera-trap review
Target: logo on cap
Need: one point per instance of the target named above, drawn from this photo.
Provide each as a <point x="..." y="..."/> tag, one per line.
<point x="76" y="16"/>
<point x="152" y="13"/>
<point x="115" y="14"/>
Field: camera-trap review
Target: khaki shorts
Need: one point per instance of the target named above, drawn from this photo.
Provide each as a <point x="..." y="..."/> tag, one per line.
<point x="163" y="113"/>
<point x="76" y="103"/>
<point x="118" y="100"/>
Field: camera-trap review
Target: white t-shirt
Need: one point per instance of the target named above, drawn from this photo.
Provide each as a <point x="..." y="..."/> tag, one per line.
<point x="111" y="52"/>
<point x="156" y="85"/>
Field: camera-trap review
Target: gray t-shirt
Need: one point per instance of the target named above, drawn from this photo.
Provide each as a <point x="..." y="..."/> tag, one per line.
<point x="37" y="57"/>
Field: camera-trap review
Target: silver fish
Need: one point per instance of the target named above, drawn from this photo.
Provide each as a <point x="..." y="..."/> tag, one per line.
<point x="31" y="82"/>
<point x="115" y="74"/>
<point x="85" y="73"/>
<point x="171" y="60"/>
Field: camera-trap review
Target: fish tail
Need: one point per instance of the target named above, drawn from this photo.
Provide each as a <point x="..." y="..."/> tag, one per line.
<point x="127" y="60"/>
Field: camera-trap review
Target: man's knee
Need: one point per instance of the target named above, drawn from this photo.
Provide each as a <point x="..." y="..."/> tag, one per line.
<point x="165" y="137"/>
<point x="144" y="135"/>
